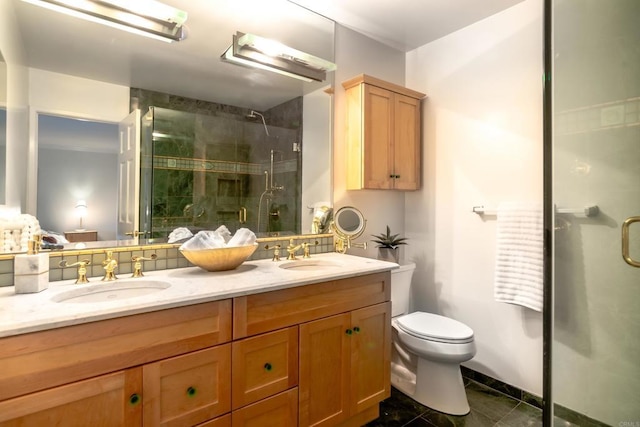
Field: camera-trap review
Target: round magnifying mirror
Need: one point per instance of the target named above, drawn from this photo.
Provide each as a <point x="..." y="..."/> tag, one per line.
<point x="349" y="221"/>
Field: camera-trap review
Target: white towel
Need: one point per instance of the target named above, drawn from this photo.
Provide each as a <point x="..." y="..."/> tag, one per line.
<point x="519" y="261"/>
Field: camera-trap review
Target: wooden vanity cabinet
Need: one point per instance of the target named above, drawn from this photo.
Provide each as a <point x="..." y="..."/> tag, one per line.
<point x="383" y="135"/>
<point x="344" y="344"/>
<point x="93" y="373"/>
<point x="309" y="355"/>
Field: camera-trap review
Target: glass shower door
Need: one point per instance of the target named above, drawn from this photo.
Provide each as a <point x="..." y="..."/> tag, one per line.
<point x="595" y="351"/>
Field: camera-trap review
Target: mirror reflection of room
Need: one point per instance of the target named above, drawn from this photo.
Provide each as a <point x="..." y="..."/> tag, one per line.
<point x="3" y="126"/>
<point x="248" y="172"/>
<point x="205" y="169"/>
<point x="77" y="192"/>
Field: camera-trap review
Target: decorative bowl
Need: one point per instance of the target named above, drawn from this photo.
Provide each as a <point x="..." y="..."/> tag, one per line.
<point x="219" y="259"/>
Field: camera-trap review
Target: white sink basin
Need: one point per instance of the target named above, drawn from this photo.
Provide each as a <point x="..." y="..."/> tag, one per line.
<point x="309" y="264"/>
<point x="111" y="291"/>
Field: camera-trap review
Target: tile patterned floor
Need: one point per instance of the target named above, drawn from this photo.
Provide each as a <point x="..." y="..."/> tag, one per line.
<point x="488" y="408"/>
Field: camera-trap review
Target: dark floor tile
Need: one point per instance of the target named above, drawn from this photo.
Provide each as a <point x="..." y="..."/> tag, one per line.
<point x="419" y="422"/>
<point x="489" y="402"/>
<point x="522" y="415"/>
<point x="576" y="418"/>
<point x="397" y="410"/>
<point x="472" y="419"/>
<point x="532" y="399"/>
<point x="559" y="422"/>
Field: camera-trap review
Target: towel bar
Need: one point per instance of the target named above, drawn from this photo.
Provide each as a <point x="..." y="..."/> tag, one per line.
<point x="588" y="211"/>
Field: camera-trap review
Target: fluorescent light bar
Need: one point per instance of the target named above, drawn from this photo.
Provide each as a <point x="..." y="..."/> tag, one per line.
<point x="147" y="18"/>
<point x="258" y="52"/>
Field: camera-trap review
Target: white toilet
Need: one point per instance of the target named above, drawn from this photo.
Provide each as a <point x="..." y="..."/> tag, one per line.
<point x="427" y="351"/>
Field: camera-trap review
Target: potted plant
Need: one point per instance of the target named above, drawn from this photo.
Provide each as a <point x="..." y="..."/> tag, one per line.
<point x="388" y="245"/>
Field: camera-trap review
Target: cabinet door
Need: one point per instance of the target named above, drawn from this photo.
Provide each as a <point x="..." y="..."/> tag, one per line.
<point x="188" y="389"/>
<point x="406" y="143"/>
<point x="280" y="410"/>
<point x="324" y="371"/>
<point x="107" y="400"/>
<point x="370" y="356"/>
<point x="378" y="134"/>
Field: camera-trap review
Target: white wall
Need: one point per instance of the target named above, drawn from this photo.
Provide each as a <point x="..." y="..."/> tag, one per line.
<point x="357" y="54"/>
<point x="64" y="94"/>
<point x="482" y="136"/>
<point x="17" y="114"/>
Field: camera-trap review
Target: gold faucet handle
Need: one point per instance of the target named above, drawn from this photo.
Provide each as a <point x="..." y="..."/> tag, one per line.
<point x="82" y="269"/>
<point x="137" y="266"/>
<point x="276" y="253"/>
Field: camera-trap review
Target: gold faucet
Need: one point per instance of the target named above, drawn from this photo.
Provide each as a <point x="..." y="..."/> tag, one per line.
<point x="137" y="266"/>
<point x="292" y="250"/>
<point x="82" y="269"/>
<point x="109" y="266"/>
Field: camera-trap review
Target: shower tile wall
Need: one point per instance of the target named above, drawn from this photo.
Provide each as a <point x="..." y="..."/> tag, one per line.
<point x="209" y="162"/>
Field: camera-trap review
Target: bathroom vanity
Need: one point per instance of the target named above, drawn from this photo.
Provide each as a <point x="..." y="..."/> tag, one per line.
<point x="270" y="344"/>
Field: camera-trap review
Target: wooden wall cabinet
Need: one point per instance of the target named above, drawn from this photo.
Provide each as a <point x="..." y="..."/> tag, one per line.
<point x="383" y="135"/>
<point x="311" y="355"/>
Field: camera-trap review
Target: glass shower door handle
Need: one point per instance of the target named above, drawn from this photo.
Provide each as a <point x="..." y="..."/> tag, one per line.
<point x="242" y="215"/>
<point x="625" y="241"/>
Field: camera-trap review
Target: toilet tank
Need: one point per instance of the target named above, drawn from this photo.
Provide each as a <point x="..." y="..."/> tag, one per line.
<point x="401" y="288"/>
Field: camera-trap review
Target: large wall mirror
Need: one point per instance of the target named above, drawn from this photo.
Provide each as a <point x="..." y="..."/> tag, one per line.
<point x="263" y="125"/>
<point x="3" y="127"/>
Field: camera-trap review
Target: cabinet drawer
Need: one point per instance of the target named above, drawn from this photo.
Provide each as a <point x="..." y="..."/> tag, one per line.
<point x="40" y="360"/>
<point x="280" y="410"/>
<point x="258" y="313"/>
<point x="107" y="400"/>
<point x="264" y="365"/>
<point x="223" y="421"/>
<point x="188" y="389"/>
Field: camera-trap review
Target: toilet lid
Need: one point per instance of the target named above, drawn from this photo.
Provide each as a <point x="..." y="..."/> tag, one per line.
<point x="434" y="327"/>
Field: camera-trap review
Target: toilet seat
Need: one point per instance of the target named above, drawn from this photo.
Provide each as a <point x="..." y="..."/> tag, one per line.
<point x="432" y="327"/>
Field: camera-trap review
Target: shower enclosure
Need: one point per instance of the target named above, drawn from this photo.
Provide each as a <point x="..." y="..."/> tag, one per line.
<point x="203" y="170"/>
<point x="595" y="160"/>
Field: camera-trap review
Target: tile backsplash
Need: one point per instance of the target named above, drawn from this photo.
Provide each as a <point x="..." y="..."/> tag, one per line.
<point x="168" y="257"/>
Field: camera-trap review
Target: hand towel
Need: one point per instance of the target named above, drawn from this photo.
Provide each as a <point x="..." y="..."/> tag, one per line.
<point x="519" y="260"/>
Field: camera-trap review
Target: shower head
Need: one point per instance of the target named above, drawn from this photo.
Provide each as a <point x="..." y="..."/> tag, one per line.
<point x="253" y="115"/>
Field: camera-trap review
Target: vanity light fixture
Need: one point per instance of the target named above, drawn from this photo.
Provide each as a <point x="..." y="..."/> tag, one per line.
<point x="259" y="52"/>
<point x="147" y="18"/>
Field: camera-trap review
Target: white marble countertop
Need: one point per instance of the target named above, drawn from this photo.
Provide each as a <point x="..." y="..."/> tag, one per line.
<point x="23" y="313"/>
